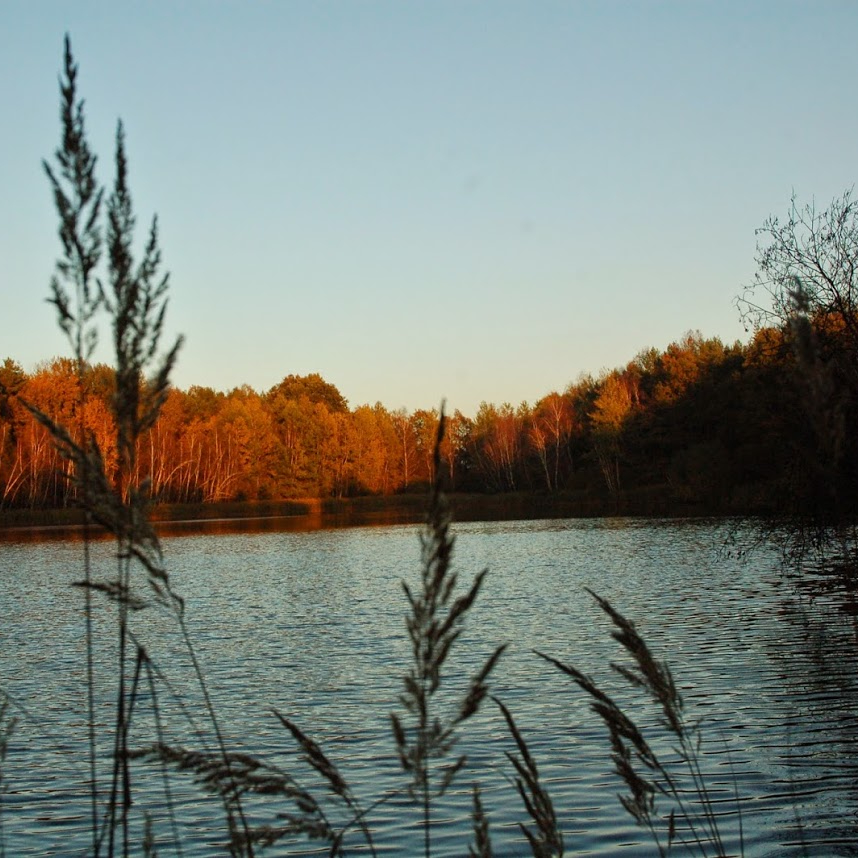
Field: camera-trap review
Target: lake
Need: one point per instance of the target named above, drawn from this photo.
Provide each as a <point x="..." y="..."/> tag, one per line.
<point x="313" y="625"/>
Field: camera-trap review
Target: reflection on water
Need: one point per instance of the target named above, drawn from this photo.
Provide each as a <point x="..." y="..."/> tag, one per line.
<point x="313" y="514"/>
<point x="296" y="523"/>
<point x="312" y="624"/>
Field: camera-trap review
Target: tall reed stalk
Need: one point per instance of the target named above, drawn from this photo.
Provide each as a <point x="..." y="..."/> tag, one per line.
<point x="7" y="728"/>
<point x="133" y="293"/>
<point x="691" y="823"/>
<point x="434" y="624"/>
<point x="77" y="296"/>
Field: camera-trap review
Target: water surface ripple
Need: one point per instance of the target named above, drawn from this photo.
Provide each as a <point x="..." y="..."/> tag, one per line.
<point x="312" y="625"/>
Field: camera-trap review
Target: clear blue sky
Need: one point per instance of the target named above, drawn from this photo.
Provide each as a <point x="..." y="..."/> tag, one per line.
<point x="418" y="200"/>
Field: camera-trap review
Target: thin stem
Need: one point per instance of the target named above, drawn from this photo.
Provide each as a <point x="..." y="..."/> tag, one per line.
<point x="220" y="742"/>
<point x="159" y="730"/>
<point x="118" y="756"/>
<point x="90" y="683"/>
<point x="426" y="837"/>
<point x="126" y="769"/>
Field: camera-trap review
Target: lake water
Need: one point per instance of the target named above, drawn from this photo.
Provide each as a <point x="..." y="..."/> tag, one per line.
<point x="312" y="624"/>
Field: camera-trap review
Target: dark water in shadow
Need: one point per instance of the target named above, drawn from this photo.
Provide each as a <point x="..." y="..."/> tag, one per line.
<point x="312" y="624"/>
<point x="218" y="526"/>
<point x="299" y="516"/>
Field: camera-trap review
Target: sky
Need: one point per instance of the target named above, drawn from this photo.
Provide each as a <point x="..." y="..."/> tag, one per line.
<point x="474" y="201"/>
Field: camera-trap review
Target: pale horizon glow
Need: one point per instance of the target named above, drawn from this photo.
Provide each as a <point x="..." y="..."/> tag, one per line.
<point x="469" y="201"/>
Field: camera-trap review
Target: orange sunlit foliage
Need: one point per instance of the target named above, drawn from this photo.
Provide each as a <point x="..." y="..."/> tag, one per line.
<point x="705" y="422"/>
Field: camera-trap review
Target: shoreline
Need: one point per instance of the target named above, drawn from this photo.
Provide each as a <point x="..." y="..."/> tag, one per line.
<point x="309" y="514"/>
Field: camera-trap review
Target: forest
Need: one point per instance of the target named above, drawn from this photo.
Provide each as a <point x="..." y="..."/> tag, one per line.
<point x="697" y="427"/>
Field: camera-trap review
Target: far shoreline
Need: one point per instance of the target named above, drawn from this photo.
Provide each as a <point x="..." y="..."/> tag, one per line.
<point x="310" y="514"/>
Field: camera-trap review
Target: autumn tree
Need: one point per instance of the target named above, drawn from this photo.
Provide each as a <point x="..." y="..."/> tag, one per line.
<point x="682" y="364"/>
<point x="550" y="427"/>
<point x="454" y="444"/>
<point x="371" y="466"/>
<point x="407" y="445"/>
<point x="610" y="410"/>
<point x="246" y="432"/>
<point x="55" y="389"/>
<point x="336" y="451"/>
<point x="297" y="431"/>
<point x="424" y="430"/>
<point x="167" y="453"/>
<point x="496" y="444"/>
<point x="12" y="420"/>
<point x="314" y="388"/>
<point x="806" y="286"/>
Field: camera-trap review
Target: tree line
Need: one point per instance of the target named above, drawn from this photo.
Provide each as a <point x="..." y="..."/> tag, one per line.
<point x="715" y="427"/>
<point x="768" y="426"/>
